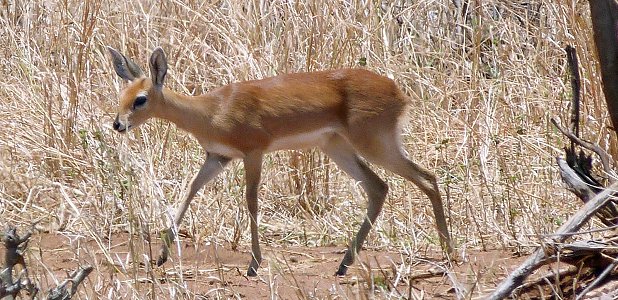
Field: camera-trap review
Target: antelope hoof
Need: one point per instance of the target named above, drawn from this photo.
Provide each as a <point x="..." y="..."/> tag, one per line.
<point x="167" y="236"/>
<point x="343" y="269"/>
<point x="253" y="266"/>
<point x="251" y="272"/>
<point x="163" y="254"/>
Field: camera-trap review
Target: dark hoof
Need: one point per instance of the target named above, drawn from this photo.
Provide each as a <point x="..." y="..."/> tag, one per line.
<point x="254" y="265"/>
<point x="161" y="260"/>
<point x="342" y="271"/>
<point x="163" y="254"/>
<point x="167" y="236"/>
<point x="251" y="272"/>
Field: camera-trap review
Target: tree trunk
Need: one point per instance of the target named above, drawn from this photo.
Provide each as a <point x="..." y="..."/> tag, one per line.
<point x="604" y="15"/>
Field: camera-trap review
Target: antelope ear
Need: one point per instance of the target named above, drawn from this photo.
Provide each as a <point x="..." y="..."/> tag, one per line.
<point x="124" y="67"/>
<point x="158" y="67"/>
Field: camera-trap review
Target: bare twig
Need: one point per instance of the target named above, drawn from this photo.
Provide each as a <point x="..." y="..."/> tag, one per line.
<point x="574" y="182"/>
<point x="598" y="280"/>
<point x="560" y="274"/>
<point x="10" y="288"/>
<point x="575" y="86"/>
<point x="585" y="259"/>
<point x="612" y="227"/>
<point x="76" y="278"/>
<point x="14" y="245"/>
<point x="10" y="291"/>
<point x="603" y="155"/>
<point x="587" y="190"/>
<point x="590" y="246"/>
<point x="539" y="257"/>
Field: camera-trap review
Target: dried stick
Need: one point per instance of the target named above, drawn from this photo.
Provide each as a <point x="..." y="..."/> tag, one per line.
<point x="539" y="257"/>
<point x="574" y="182"/>
<point x="598" y="280"/>
<point x="14" y="245"/>
<point x="76" y="278"/>
<point x="9" y="289"/>
<point x="603" y="155"/>
<point x="575" y="86"/>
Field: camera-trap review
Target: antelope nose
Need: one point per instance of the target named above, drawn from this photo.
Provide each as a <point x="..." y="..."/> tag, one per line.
<point x="116" y="124"/>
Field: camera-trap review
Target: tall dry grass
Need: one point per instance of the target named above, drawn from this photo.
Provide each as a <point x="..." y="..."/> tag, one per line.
<point x="484" y="84"/>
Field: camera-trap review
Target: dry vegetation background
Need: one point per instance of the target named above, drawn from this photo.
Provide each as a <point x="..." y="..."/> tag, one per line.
<point x="484" y="89"/>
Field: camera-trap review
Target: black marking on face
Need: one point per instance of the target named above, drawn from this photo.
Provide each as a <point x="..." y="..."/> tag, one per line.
<point x="139" y="101"/>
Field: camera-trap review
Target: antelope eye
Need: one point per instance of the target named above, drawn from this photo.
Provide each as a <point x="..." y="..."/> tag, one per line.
<point x="139" y="102"/>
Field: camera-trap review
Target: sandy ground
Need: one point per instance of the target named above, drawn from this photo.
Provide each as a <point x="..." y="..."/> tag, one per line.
<point x="217" y="271"/>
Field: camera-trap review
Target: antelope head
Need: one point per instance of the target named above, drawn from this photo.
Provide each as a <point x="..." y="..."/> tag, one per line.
<point x="142" y="98"/>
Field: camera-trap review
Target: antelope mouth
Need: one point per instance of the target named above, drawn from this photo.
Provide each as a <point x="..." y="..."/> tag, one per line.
<point x="124" y="129"/>
<point x="121" y="128"/>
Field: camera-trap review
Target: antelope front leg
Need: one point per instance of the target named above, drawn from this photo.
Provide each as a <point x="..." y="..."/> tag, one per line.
<point x="253" y="169"/>
<point x="212" y="167"/>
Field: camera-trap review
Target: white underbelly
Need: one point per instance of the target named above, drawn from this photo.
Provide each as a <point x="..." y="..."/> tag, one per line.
<point x="223" y="150"/>
<point x="303" y="140"/>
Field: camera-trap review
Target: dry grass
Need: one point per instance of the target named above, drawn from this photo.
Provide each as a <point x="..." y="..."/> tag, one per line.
<point x="484" y="90"/>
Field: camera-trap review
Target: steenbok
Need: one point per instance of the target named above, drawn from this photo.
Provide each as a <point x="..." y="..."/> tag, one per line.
<point x="348" y="113"/>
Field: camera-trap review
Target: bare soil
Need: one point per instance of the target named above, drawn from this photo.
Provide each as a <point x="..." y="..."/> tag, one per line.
<point x="217" y="271"/>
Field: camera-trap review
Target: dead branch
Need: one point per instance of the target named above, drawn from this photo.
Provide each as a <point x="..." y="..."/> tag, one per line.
<point x="588" y="247"/>
<point x="10" y="287"/>
<point x="603" y="155"/>
<point x="591" y="263"/>
<point x="61" y="292"/>
<point x="562" y="284"/>
<point x="539" y="257"/>
<point x="9" y="291"/>
<point x="574" y="182"/>
<point x="576" y="87"/>
<point x="598" y="280"/>
<point x="15" y="246"/>
<point x="585" y="188"/>
<point x="591" y="254"/>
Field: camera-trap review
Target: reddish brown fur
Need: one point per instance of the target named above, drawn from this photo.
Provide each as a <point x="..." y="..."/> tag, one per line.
<point x="247" y="116"/>
<point x="347" y="113"/>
